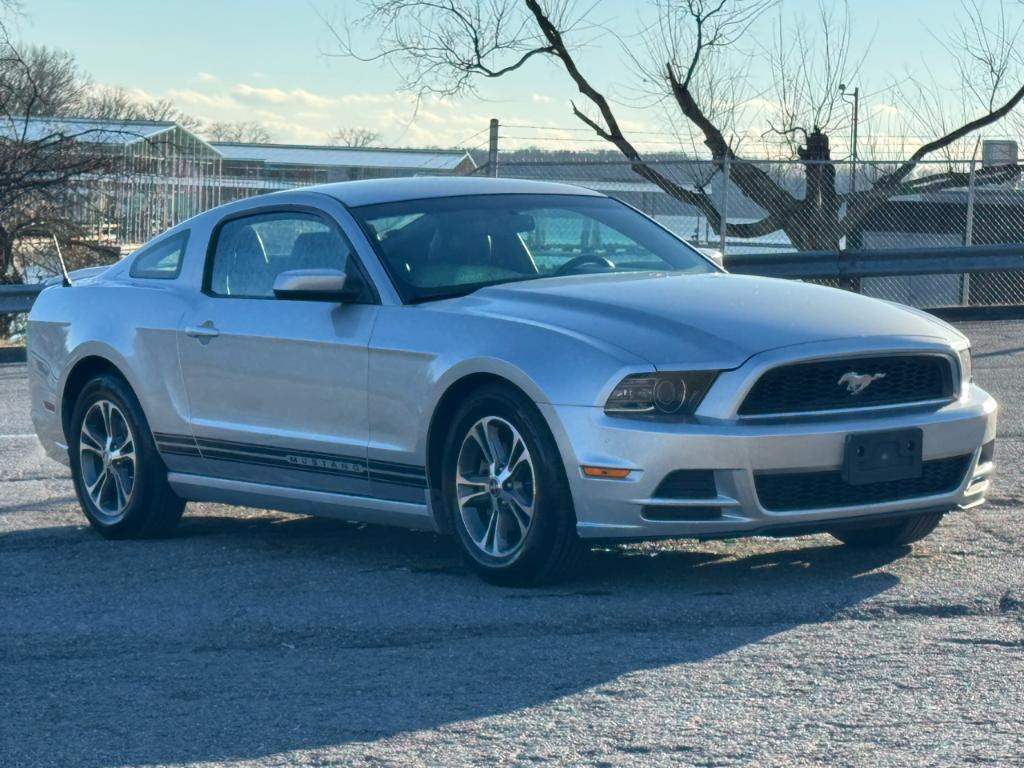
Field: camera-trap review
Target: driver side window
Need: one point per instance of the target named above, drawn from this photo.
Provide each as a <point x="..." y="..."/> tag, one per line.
<point x="251" y="251"/>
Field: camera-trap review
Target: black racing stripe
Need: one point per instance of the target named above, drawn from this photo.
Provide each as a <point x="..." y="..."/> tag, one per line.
<point x="416" y="478"/>
<point x="281" y="462"/>
<point x="282" y="455"/>
<point x="331" y="472"/>
<point x="416" y="482"/>
<point x="420" y="474"/>
<point x="420" y="481"/>
<point x="205" y="442"/>
<point x="393" y="466"/>
<point x="236" y="452"/>
<point x="178" y="451"/>
<point x="178" y="440"/>
<point x="304" y="461"/>
<point x="176" y="445"/>
<point x="408" y="483"/>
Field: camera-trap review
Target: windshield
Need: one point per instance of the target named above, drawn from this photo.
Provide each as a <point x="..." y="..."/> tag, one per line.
<point x="450" y="246"/>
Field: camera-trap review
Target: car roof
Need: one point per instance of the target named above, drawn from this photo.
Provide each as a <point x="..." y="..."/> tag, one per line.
<point x="373" y="191"/>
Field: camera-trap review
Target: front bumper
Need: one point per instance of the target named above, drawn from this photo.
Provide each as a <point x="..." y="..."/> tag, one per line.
<point x="737" y="449"/>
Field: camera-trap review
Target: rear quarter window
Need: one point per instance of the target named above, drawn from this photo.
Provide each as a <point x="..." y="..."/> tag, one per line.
<point x="161" y="261"/>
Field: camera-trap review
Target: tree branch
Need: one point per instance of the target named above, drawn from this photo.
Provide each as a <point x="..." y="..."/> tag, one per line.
<point x="892" y="179"/>
<point x="752" y="180"/>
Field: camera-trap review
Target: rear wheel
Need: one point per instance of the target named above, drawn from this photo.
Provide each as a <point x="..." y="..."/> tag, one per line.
<point x="119" y="478"/>
<point x="904" y="532"/>
<point x="506" y="491"/>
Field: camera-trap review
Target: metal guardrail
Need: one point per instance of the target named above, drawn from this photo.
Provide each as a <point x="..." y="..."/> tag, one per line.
<point x="18" y="298"/>
<point x="879" y="263"/>
<point x="794" y="265"/>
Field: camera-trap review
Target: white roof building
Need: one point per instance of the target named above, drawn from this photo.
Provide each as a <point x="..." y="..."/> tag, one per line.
<point x="312" y="156"/>
<point x="168" y="173"/>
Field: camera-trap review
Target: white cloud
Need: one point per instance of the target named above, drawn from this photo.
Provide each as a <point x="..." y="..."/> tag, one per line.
<point x="267" y="115"/>
<point x="193" y="98"/>
<point x="284" y="130"/>
<point x="205" y="77"/>
<point x="539" y="98"/>
<point x="279" y="96"/>
<point x="887" y="109"/>
<point x="298" y="115"/>
<point x="378" y="98"/>
<point x="761" y="105"/>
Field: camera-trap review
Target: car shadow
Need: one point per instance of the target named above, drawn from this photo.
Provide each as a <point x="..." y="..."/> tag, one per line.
<point x="248" y="635"/>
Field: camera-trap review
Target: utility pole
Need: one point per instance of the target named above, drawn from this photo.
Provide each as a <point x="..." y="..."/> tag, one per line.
<point x="492" y="149"/>
<point x="852" y="284"/>
<point x="724" y="211"/>
<point x="965" y="283"/>
<point x="853" y="136"/>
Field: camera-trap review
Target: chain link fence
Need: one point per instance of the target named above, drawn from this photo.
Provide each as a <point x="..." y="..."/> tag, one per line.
<point x="773" y="207"/>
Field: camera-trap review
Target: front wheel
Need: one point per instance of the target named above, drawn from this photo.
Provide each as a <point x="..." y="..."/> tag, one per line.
<point x="899" y="534"/>
<point x="506" y="491"/>
<point x="119" y="478"/>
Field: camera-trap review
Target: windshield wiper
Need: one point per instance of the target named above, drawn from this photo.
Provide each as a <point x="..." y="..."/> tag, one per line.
<point x="441" y="295"/>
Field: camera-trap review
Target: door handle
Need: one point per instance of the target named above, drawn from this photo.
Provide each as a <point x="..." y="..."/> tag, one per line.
<point x="203" y="332"/>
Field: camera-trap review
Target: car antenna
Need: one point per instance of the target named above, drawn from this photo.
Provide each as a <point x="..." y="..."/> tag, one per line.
<point x="65" y="277"/>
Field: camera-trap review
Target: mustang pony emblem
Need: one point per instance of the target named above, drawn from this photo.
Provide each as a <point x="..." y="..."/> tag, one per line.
<point x="858" y="382"/>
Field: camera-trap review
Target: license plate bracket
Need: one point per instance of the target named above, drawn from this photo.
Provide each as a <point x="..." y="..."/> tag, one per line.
<point x="878" y="457"/>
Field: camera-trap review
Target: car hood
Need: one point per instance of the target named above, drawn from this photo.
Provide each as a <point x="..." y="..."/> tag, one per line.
<point x="713" y="320"/>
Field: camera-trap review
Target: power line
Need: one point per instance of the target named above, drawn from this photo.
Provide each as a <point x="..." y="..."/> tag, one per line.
<point x="838" y="134"/>
<point x="674" y="142"/>
<point x="580" y="130"/>
<point x="470" y="138"/>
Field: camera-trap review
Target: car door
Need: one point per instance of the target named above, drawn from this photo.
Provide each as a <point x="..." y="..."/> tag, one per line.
<point x="277" y="387"/>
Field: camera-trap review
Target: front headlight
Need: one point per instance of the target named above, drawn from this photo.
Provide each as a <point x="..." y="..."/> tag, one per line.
<point x="676" y="394"/>
<point x="966" y="372"/>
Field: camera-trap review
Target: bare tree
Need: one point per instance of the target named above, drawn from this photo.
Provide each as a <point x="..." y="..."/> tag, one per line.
<point x="43" y="81"/>
<point x="809" y="71"/>
<point x="43" y="162"/>
<point x="354" y="137"/>
<point x="109" y="103"/>
<point x="986" y="54"/>
<point x="52" y="164"/>
<point x="164" y="110"/>
<point x="446" y="47"/>
<point x="240" y="132"/>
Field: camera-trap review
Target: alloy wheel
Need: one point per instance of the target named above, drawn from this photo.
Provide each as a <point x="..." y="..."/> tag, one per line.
<point x="106" y="450"/>
<point x="495" y="487"/>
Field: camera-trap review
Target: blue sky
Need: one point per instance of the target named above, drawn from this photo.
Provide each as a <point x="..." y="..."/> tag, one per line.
<point x="264" y="60"/>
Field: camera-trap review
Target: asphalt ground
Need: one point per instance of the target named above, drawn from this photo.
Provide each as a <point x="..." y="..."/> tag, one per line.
<point x="264" y="639"/>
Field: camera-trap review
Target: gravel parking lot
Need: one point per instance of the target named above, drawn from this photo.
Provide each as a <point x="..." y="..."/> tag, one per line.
<point x="259" y="638"/>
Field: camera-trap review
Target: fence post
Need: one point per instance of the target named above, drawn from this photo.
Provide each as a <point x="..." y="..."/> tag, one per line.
<point x="969" y="229"/>
<point x="965" y="282"/>
<point x="492" y="149"/>
<point x="724" y="207"/>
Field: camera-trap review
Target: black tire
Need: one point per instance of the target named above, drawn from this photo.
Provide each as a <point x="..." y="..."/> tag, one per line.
<point x="152" y="508"/>
<point x="550" y="550"/>
<point x="900" y="534"/>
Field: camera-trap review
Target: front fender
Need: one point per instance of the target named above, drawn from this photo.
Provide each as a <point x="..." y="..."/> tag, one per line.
<point x="417" y="354"/>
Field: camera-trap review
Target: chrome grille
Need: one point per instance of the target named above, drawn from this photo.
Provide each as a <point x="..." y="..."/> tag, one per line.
<point x="820" y="385"/>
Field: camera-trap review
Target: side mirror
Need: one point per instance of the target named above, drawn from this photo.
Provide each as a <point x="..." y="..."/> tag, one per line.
<point x="313" y="285"/>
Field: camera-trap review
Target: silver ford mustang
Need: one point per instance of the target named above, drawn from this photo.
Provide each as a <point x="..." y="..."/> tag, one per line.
<point x="528" y="366"/>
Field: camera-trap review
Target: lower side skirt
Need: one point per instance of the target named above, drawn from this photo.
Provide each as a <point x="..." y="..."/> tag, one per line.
<point x="365" y="509"/>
